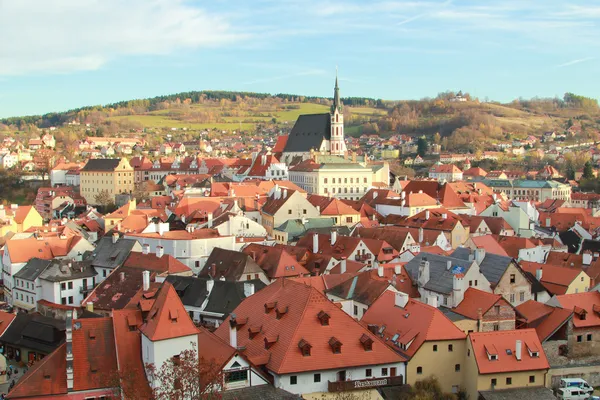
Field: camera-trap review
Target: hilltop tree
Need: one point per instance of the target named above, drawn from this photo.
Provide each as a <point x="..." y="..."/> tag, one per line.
<point x="422" y="146"/>
<point x="588" y="170"/>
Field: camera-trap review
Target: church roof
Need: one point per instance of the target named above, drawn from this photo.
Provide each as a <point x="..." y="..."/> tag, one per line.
<point x="308" y="133"/>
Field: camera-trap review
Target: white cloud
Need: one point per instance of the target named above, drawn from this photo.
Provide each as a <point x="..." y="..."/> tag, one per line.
<point x="61" y="36"/>
<point x="577" y="61"/>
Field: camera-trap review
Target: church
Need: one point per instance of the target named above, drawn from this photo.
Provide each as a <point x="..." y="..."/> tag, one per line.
<point x="322" y="133"/>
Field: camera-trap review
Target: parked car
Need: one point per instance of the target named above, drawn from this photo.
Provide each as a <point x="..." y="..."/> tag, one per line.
<point x="576" y="383"/>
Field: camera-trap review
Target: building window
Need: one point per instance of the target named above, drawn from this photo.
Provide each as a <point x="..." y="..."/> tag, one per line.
<point x="63" y="286"/>
<point x="317" y="378"/>
<point x="509" y="381"/>
<point x="521" y="296"/>
<point x="450" y="347"/>
<point x="512" y="297"/>
<point x="355" y="310"/>
<point x="579" y="338"/>
<point x="70" y="299"/>
<point x="496" y="327"/>
<point x="419" y="370"/>
<point x="470" y="283"/>
<point x="70" y="285"/>
<point x="63" y="301"/>
<point x="236" y="376"/>
<point x="589" y="337"/>
<point x="513" y="278"/>
<point x="497" y="309"/>
<point x="290" y="212"/>
<point x="435" y="347"/>
<point x="293" y="380"/>
<point x="304" y="211"/>
<point x="456" y="367"/>
<point x="384" y="371"/>
<point x="531" y="378"/>
<point x="369" y="373"/>
<point x="494" y="382"/>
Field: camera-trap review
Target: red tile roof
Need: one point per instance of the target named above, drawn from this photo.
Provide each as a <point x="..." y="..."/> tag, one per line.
<point x="5" y="320"/>
<point x="167" y="318"/>
<point x="490" y="244"/>
<point x="582" y="302"/>
<point x="275" y="261"/>
<point x="544" y="318"/>
<point x="46" y="377"/>
<point x="499" y="342"/>
<point x="165" y="264"/>
<point x="94" y="355"/>
<point x="324" y="282"/>
<point x="556" y="279"/>
<point x="415" y="320"/>
<point x="300" y="322"/>
<point x="128" y="345"/>
<point x="475" y="300"/>
<point x="331" y="206"/>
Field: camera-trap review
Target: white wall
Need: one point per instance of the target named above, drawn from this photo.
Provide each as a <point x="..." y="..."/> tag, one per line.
<point x="158" y="352"/>
<point x="306" y="383"/>
<point x="240" y="225"/>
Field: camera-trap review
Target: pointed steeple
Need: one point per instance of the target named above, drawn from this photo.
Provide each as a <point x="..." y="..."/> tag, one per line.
<point x="337" y="103"/>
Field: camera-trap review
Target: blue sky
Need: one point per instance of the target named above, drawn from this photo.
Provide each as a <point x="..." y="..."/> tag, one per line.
<point x="61" y="54"/>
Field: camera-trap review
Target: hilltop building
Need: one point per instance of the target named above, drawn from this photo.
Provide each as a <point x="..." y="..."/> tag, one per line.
<point x="323" y="133"/>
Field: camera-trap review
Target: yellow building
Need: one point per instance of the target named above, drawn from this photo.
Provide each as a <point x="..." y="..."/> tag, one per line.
<point x="112" y="175"/>
<point x="338" y="177"/>
<point x="558" y="280"/>
<point x="504" y="360"/>
<point x="18" y="218"/>
<point x="390" y="154"/>
<point x="433" y="345"/>
<point x="113" y="219"/>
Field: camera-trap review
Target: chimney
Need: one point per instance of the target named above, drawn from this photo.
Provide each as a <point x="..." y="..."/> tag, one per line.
<point x="457" y="289"/>
<point x="427" y="215"/>
<point x="398" y="269"/>
<point x="586" y="258"/>
<point x="248" y="289"/>
<point x="518" y="350"/>
<point x="380" y="272"/>
<point x="285" y="193"/>
<point x="146" y="280"/>
<point x="122" y="276"/>
<point x="479" y="255"/>
<point x="69" y="347"/>
<point x="423" y="275"/>
<point x="444" y="216"/>
<point x="448" y="265"/>
<point x="89" y="306"/>
<point x="375" y="194"/>
<point x="115" y="237"/>
<point x="539" y="274"/>
<point x="318" y="210"/>
<point x="400" y="299"/>
<point x="403" y="195"/>
<point x="209" y="220"/>
<point x="232" y="331"/>
<point x="160" y="251"/>
<point x="333" y="237"/>
<point x="315" y="243"/>
<point x="548" y="222"/>
<point x="145" y="249"/>
<point x="420" y="235"/>
<point x="210" y="284"/>
<point x="343" y="266"/>
<point x="433" y="301"/>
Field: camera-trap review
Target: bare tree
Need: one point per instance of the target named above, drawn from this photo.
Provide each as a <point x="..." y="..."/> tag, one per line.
<point x="103" y="198"/>
<point x="186" y="376"/>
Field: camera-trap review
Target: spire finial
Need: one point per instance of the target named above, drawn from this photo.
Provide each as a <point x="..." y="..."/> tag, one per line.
<point x="336" y="76"/>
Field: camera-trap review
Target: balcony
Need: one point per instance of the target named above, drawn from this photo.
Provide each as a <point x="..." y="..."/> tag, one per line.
<point x="343" y="386"/>
<point x="362" y="257"/>
<point x="86" y="289"/>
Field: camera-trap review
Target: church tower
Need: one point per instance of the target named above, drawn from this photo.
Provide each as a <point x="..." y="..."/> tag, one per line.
<point x="337" y="144"/>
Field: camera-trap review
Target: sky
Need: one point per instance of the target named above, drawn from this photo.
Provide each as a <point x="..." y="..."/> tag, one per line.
<point x="57" y="55"/>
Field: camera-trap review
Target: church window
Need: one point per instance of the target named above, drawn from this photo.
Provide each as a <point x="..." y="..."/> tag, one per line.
<point x="337" y="117"/>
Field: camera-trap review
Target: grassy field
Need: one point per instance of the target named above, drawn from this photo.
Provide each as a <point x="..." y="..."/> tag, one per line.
<point x="157" y="121"/>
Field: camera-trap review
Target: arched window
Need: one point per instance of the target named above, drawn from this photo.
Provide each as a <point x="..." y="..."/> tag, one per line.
<point x="337" y="117"/>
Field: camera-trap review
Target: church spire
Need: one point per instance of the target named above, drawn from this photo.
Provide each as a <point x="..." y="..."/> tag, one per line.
<point x="337" y="103"/>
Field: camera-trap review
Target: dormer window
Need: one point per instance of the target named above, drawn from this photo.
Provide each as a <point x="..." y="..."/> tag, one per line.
<point x="269" y="306"/>
<point x="491" y="351"/>
<point x="92" y="335"/>
<point x="323" y="317"/>
<point x="253" y="331"/>
<point x="304" y="347"/>
<point x="336" y="345"/>
<point x="173" y="315"/>
<point x="366" y="342"/>
<point x="270" y="340"/>
<point x="281" y="311"/>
